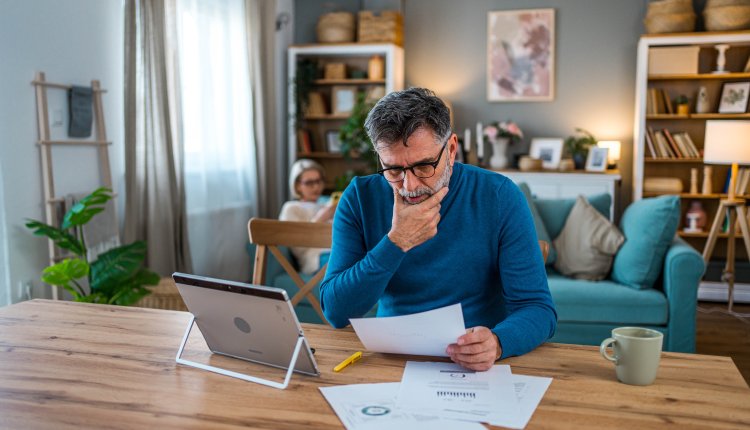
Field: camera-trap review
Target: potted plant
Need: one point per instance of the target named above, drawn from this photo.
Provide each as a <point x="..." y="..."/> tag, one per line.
<point x="683" y="104"/>
<point x="354" y="140"/>
<point x="577" y="146"/>
<point x="116" y="277"/>
<point x="500" y="135"/>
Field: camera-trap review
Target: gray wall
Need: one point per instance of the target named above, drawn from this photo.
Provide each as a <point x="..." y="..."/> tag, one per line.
<point x="73" y="42"/>
<point x="445" y="50"/>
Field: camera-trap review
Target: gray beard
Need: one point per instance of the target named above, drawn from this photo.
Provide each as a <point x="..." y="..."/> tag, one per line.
<point x="444" y="180"/>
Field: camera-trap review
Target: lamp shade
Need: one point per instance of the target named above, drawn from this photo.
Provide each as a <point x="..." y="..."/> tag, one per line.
<point x="727" y="142"/>
<point x="613" y="155"/>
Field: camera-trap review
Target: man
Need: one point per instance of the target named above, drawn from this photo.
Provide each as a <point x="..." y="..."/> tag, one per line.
<point x="427" y="232"/>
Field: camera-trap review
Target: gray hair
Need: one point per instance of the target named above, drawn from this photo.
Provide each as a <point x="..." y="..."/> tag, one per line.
<point x="399" y="114"/>
<point x="298" y="168"/>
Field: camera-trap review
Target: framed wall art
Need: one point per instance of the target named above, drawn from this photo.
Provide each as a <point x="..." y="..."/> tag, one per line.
<point x="343" y="99"/>
<point x="734" y="97"/>
<point x="521" y="55"/>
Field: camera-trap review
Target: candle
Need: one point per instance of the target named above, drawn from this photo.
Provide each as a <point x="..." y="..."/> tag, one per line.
<point x="467" y="140"/>
<point x="480" y="141"/>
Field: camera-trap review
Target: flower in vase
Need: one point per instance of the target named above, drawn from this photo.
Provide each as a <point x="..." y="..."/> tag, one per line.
<point x="508" y="129"/>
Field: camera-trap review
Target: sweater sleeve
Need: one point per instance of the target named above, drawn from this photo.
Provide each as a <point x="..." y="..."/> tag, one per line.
<point x="531" y="316"/>
<point x="356" y="277"/>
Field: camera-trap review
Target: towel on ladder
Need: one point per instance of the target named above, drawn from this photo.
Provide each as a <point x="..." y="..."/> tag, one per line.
<point x="81" y="111"/>
<point x="101" y="233"/>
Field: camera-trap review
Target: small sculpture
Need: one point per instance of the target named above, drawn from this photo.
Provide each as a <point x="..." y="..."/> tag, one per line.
<point x="707" y="184"/>
<point x="721" y="59"/>
<point x="701" y="102"/>
<point x="695" y="218"/>
<point x="694" y="180"/>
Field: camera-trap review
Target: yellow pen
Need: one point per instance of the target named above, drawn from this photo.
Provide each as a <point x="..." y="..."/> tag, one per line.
<point x="352" y="359"/>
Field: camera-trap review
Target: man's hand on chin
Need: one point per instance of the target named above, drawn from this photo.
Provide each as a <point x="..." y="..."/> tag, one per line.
<point x="413" y="225"/>
<point x="476" y="350"/>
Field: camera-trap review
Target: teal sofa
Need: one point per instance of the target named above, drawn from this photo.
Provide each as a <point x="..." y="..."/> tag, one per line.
<point x="587" y="311"/>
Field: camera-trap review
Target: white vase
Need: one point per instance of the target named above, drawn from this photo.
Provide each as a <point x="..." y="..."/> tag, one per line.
<point x="499" y="159"/>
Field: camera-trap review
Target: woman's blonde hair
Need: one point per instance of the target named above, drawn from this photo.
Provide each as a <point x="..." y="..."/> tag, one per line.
<point x="298" y="168"/>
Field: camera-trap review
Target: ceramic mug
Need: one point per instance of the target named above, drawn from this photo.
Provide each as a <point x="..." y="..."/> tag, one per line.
<point x="636" y="354"/>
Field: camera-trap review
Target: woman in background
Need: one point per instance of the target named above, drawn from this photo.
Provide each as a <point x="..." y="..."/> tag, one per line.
<point x="306" y="183"/>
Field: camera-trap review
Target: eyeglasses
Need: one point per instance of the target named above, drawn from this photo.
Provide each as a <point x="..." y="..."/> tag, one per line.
<point x="311" y="182"/>
<point x="420" y="170"/>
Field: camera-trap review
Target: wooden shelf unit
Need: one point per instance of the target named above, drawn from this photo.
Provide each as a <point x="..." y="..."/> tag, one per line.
<point x="644" y="165"/>
<point x="355" y="56"/>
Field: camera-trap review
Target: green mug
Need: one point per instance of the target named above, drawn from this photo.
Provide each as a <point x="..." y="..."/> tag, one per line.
<point x="636" y="354"/>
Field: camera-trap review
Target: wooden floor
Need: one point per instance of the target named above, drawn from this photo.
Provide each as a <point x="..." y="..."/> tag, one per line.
<point x="723" y="334"/>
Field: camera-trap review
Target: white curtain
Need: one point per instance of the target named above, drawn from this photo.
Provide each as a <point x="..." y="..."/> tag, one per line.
<point x="217" y="133"/>
<point x="4" y="264"/>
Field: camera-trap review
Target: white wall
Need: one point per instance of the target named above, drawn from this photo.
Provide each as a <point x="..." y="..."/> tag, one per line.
<point x="73" y="42"/>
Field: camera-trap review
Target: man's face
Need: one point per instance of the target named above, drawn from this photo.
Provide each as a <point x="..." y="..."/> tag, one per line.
<point x="422" y="148"/>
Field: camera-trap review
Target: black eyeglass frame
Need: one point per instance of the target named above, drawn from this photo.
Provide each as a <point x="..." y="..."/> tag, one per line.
<point x="411" y="168"/>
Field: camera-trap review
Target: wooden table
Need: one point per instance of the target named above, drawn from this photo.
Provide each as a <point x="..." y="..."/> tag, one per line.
<point x="70" y="365"/>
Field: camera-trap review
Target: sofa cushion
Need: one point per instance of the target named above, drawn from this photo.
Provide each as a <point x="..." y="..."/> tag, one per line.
<point x="606" y="302"/>
<point x="649" y="225"/>
<point x="587" y="243"/>
<point x="541" y="230"/>
<point x="554" y="212"/>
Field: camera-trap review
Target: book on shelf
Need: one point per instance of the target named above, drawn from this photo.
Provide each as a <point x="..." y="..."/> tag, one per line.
<point x="304" y="141"/>
<point x="658" y="102"/>
<point x="670" y="144"/>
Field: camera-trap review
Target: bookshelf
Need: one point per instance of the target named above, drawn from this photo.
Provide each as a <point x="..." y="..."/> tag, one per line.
<point x="309" y="133"/>
<point x="654" y="115"/>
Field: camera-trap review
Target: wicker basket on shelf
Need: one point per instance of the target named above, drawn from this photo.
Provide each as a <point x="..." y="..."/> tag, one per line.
<point x="725" y="18"/>
<point x="670" y="16"/>
<point x="336" y="27"/>
<point x="163" y="296"/>
<point x="388" y="27"/>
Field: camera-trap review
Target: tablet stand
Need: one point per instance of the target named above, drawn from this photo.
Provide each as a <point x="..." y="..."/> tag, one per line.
<point x="237" y="375"/>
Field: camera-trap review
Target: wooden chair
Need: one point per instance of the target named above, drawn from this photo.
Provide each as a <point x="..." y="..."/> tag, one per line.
<point x="269" y="234"/>
<point x="545" y="249"/>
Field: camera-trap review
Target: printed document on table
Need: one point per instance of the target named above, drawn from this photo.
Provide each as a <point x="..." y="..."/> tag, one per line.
<point x="451" y="391"/>
<point x="373" y="406"/>
<point x="425" y="333"/>
<point x="529" y="390"/>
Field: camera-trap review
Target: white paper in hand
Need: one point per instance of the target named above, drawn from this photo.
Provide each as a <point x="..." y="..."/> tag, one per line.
<point x="425" y="333"/>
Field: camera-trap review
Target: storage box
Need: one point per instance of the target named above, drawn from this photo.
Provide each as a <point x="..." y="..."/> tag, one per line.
<point x="335" y="71"/>
<point x="388" y="27"/>
<point x="673" y="60"/>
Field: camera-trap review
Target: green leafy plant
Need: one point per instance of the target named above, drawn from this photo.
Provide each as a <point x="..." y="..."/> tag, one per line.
<point x="353" y="137"/>
<point x="304" y="78"/>
<point x="681" y="100"/>
<point x="577" y="146"/>
<point x="116" y="277"/>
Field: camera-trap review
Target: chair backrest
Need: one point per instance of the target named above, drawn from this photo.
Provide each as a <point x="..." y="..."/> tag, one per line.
<point x="269" y="234"/>
<point x="545" y="249"/>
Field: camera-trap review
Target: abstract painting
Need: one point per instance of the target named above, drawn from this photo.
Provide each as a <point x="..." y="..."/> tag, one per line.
<point x="521" y="55"/>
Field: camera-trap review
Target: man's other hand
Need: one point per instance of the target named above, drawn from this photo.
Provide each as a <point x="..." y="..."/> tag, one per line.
<point x="413" y="225"/>
<point x="476" y="350"/>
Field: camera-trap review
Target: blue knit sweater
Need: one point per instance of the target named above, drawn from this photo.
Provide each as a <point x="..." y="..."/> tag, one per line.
<point x="485" y="256"/>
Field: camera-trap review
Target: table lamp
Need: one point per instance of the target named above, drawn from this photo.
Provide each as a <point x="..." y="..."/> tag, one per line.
<point x="613" y="155"/>
<point x="728" y="142"/>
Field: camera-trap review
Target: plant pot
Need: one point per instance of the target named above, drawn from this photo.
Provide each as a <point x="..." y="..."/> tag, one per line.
<point x="579" y="160"/>
<point x="683" y="109"/>
<point x="499" y="159"/>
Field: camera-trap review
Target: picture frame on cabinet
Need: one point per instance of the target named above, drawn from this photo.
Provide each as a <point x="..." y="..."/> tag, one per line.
<point x="547" y="149"/>
<point x="596" y="161"/>
<point x="734" y="97"/>
<point x="343" y="99"/>
<point x="333" y="143"/>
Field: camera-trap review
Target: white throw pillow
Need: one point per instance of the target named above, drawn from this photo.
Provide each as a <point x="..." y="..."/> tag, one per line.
<point x="587" y="243"/>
